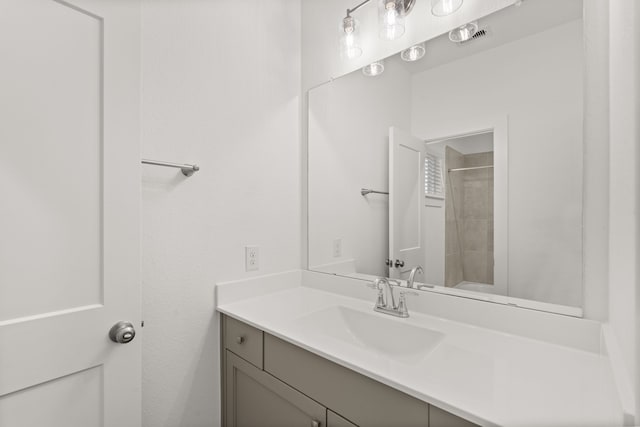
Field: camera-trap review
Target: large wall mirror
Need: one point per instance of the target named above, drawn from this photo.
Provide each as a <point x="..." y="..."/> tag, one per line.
<point x="466" y="163"/>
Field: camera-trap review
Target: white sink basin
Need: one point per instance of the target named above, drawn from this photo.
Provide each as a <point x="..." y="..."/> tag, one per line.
<point x="375" y="332"/>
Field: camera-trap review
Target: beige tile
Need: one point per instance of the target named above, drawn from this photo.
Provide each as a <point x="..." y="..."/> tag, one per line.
<point x="475" y="160"/>
<point x="458" y="272"/>
<point x="476" y="200"/>
<point x="475" y="175"/>
<point x="453" y="270"/>
<point x="449" y="208"/>
<point x="475" y="235"/>
<point x="478" y="159"/>
<point x="475" y="266"/>
<point x="456" y="181"/>
<point x="451" y="241"/>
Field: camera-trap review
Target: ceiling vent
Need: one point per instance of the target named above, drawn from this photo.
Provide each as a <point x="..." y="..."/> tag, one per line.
<point x="482" y="33"/>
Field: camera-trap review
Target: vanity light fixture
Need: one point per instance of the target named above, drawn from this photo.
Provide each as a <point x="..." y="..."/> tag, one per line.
<point x="413" y="53"/>
<point x="464" y="32"/>
<point x="391" y="18"/>
<point x="445" y="7"/>
<point x="349" y="46"/>
<point x="373" y="69"/>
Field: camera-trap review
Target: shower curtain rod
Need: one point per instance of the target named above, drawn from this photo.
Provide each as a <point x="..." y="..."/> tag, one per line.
<point x="470" y="169"/>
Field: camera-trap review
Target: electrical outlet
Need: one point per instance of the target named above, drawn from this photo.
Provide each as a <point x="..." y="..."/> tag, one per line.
<point x="337" y="248"/>
<point x="251" y="258"/>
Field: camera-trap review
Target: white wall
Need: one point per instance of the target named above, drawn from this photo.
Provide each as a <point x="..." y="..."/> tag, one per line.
<point x="537" y="82"/>
<point x="624" y="186"/>
<point x="349" y="122"/>
<point x="221" y="88"/>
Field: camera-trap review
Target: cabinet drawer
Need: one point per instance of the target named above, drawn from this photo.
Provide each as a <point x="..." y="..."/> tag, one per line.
<point x="363" y="401"/>
<point x="243" y="340"/>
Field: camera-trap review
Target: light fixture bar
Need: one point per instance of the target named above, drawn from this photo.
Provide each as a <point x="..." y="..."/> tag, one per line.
<point x="408" y="6"/>
<point x="350" y="11"/>
<point x="391" y="25"/>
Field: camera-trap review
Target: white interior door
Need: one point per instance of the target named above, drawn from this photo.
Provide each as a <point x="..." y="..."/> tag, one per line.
<point x="69" y="212"/>
<point x="406" y="201"/>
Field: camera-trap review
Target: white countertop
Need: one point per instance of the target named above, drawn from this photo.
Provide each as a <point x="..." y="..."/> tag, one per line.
<point x="487" y="377"/>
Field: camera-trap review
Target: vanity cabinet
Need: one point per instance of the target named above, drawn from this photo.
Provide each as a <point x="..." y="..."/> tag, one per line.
<point x="270" y="382"/>
<point x="255" y="398"/>
<point x="358" y="398"/>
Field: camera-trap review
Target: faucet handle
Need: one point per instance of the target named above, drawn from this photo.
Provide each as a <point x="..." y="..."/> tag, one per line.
<point x="380" y="302"/>
<point x="402" y="303"/>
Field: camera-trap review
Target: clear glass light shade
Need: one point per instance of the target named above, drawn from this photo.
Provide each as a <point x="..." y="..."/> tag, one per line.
<point x="445" y="7"/>
<point x="349" y="39"/>
<point x="391" y="19"/>
<point x="413" y="53"/>
<point x="463" y="33"/>
<point x="373" y="69"/>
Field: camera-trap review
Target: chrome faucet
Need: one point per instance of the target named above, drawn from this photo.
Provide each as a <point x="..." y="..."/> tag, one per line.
<point x="382" y="303"/>
<point x="412" y="275"/>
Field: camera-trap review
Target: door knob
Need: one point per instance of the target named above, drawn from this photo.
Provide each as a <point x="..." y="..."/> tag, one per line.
<point x="122" y="332"/>
<point x="399" y="263"/>
<point x="388" y="262"/>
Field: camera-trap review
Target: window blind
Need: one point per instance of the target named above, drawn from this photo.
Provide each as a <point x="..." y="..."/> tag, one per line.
<point x="433" y="178"/>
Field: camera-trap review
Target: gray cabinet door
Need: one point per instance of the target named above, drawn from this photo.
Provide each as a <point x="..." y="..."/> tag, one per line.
<point x="335" y="420"/>
<point x="256" y="399"/>
<point x="440" y="418"/>
<point x="364" y="401"/>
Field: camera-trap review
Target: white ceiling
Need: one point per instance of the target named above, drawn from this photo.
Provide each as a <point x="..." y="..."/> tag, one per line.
<point x="470" y="144"/>
<point x="504" y="26"/>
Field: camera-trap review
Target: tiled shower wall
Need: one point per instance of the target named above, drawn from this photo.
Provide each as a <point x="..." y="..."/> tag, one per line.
<point x="454" y="217"/>
<point x="477" y="228"/>
<point x="469" y="219"/>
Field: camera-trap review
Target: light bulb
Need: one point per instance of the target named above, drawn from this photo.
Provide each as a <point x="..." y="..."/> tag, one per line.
<point x="413" y="53"/>
<point x="373" y="69"/>
<point x="445" y="7"/>
<point x="390" y="16"/>
<point x="349" y="48"/>
<point x="391" y="19"/>
<point x="463" y="33"/>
